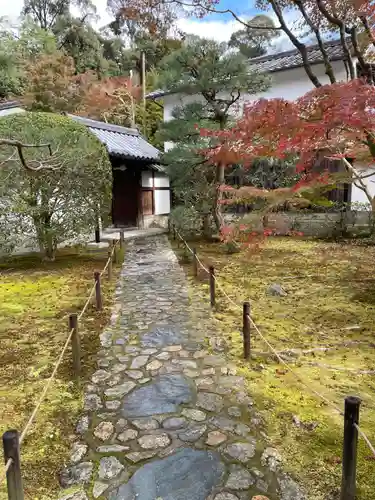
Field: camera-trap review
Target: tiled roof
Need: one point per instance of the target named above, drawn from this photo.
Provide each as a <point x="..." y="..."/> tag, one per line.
<point x="290" y="59"/>
<point x="121" y="141"/>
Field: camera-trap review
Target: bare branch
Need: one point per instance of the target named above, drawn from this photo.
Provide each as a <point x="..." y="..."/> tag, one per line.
<point x="300" y="46"/>
<point x="225" y="11"/>
<point x="315" y="29"/>
<point x="341" y="25"/>
<point x="39" y="165"/>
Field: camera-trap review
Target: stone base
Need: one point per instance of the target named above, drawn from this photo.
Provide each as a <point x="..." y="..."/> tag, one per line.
<point x="150" y="221"/>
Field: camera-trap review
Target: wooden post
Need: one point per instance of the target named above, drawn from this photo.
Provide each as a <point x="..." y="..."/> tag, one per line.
<point x="195" y="262"/>
<point x="97" y="234"/>
<point x="12" y="450"/>
<point x="349" y="452"/>
<point x="212" y="286"/>
<point x="98" y="291"/>
<point x="109" y="268"/>
<point x="76" y="345"/>
<point x="114" y="246"/>
<point x="246" y="330"/>
<point x="122" y="240"/>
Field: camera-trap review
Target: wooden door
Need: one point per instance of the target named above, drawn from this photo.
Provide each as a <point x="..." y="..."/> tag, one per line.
<point x="125" y="198"/>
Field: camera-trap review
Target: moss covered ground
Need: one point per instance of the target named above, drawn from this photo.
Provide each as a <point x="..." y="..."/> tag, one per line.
<point x="330" y="303"/>
<point x="36" y="299"/>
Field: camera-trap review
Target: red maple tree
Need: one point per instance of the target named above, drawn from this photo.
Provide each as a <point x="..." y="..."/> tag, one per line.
<point x="337" y="120"/>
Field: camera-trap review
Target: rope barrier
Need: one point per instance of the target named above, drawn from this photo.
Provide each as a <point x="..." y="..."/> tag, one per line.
<point x="47" y="386"/>
<point x="52" y="376"/>
<point x="273" y="350"/>
<point x="6" y="468"/>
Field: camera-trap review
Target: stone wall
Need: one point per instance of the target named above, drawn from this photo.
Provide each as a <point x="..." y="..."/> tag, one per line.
<point x="155" y="221"/>
<point x="320" y="225"/>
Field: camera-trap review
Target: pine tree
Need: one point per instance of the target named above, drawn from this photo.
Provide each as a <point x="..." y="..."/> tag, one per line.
<point x="217" y="78"/>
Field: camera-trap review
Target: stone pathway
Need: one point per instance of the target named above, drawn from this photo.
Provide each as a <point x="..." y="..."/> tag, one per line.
<point x="165" y="417"/>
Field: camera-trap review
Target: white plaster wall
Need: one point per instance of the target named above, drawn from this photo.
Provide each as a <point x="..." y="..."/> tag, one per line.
<point x="162" y="201"/>
<point x="289" y="84"/>
<point x="161" y="180"/>
<point x="358" y="196"/>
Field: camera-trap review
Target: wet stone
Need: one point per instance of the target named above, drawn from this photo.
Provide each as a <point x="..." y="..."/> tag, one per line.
<point x="193" y="433"/>
<point x="74" y="495"/>
<point x="289" y="489"/>
<point x="118" y="368"/>
<point x="100" y="376"/>
<point x="98" y="489"/>
<point x="239" y="478"/>
<point x="241" y="451"/>
<point x="154" y="365"/>
<point x="77" y="474"/>
<point x="191" y="373"/>
<point x="149" y="351"/>
<point x="138" y="456"/>
<point x="225" y="496"/>
<point x="153" y="441"/>
<point x="186" y="475"/>
<point x="185" y="363"/>
<point x="139" y="361"/>
<point x="112" y="448"/>
<point x="213" y="360"/>
<point x="146" y="424"/>
<point x="92" y="402"/>
<point x="78" y="452"/>
<point x="242" y="429"/>
<point x="162" y="336"/>
<point x="196" y="415"/>
<point x="262" y="485"/>
<point x="173" y="348"/>
<point x="208" y="371"/>
<point x="174" y="423"/>
<point x="82" y="425"/>
<point x="112" y="405"/>
<point x="209" y="401"/>
<point x="163" y="356"/>
<point x="271" y="458"/>
<point x="134" y="374"/>
<point x="214" y="438"/>
<point x="121" y="424"/>
<point x="104" y="431"/>
<point x="162" y="395"/>
<point x="115" y="380"/>
<point x="109" y="467"/>
<point x="120" y="390"/>
<point x="127" y="435"/>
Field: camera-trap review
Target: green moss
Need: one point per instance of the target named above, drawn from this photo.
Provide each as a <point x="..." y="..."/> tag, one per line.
<point x="36" y="299"/>
<point x="330" y="289"/>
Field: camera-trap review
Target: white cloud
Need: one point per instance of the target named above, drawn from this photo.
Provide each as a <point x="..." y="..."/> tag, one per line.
<point x="217" y="30"/>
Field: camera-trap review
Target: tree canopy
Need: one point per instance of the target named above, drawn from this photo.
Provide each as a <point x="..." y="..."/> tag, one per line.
<point x="217" y="79"/>
<point x="59" y="202"/>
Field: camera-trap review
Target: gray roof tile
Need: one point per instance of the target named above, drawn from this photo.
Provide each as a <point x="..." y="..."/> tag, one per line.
<point x="121" y="141"/>
<point x="290" y="59"/>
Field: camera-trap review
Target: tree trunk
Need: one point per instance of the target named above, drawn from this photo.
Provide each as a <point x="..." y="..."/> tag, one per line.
<point x="45" y="238"/>
<point x="217" y="215"/>
<point x="207" y="232"/>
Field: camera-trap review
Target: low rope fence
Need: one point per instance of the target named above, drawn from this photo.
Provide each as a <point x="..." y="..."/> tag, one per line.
<point x="352" y="403"/>
<point x="12" y="440"/>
